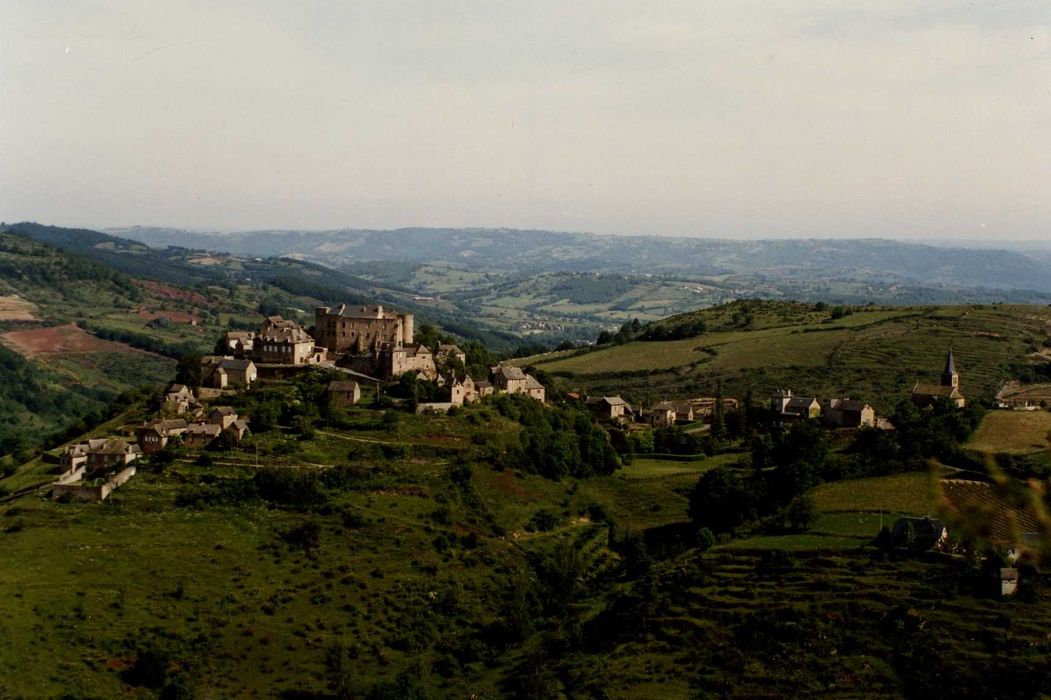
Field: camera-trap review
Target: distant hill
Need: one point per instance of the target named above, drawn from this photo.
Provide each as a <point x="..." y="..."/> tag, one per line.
<point x="71" y="377"/>
<point x="872" y="353"/>
<point x="874" y="260"/>
<point x="260" y="268"/>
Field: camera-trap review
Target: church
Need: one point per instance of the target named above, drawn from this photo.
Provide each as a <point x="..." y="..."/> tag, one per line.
<point x="926" y="395"/>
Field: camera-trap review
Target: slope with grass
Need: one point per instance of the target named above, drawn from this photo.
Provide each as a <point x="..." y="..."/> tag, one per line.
<point x="380" y="543"/>
<point x="871" y="352"/>
<point x="1013" y="432"/>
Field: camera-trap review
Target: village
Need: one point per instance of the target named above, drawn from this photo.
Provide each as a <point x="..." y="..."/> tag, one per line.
<point x="364" y="348"/>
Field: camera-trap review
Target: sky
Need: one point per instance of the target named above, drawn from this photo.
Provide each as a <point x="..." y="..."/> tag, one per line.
<point x="742" y="119"/>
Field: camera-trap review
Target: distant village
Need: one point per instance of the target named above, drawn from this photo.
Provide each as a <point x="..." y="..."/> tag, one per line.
<point x="370" y="345"/>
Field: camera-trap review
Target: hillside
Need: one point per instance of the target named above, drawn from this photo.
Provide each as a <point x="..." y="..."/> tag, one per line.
<point x="378" y="553"/>
<point x="285" y="283"/>
<point x="871" y="352"/>
<point x="551" y="287"/>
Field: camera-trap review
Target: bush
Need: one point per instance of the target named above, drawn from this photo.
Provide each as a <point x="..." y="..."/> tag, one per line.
<point x="543" y="520"/>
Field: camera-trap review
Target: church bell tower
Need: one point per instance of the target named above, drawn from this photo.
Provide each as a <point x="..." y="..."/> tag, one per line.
<point x="950" y="377"/>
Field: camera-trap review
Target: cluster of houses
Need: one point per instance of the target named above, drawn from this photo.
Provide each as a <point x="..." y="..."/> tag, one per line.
<point x="837" y="413"/>
<point x="661" y="414"/>
<point x="91" y="470"/>
<point x="369" y="342"/>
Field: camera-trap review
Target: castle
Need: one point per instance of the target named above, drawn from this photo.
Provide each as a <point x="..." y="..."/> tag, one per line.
<point x="360" y="330"/>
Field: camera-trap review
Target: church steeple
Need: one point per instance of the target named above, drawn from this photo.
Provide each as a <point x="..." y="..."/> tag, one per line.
<point x="950" y="377"/>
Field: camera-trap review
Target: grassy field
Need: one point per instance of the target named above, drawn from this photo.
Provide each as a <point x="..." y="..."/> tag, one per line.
<point x="877" y="354"/>
<point x="1013" y="432"/>
<point x="913" y="493"/>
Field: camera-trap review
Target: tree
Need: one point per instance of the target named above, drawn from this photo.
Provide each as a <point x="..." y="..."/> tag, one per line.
<point x="718" y="417"/>
<point x="800" y="513"/>
<point x="721" y="501"/>
<point x="188" y="371"/>
<point x="337" y="671"/>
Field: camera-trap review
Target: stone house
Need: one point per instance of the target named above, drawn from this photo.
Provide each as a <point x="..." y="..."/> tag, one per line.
<point x="408" y="358"/>
<point x="847" y="413"/>
<point x="610" y="408"/>
<point x="948" y="389"/>
<point x="444" y="353"/>
<point x="683" y="411"/>
<point x="239" y="343"/>
<point x="461" y="389"/>
<point x="361" y="329"/>
<point x="153" y="437"/>
<point x="220" y="372"/>
<point x="99" y="454"/>
<point x="284" y="342"/>
<point x="344" y="393"/>
<point x="484" y="388"/>
<point x="787" y="407"/>
<point x="235" y="373"/>
<point x="201" y="434"/>
<point x="223" y="416"/>
<point x="661" y="415"/>
<point x="239" y="428"/>
<point x="512" y="380"/>
<point x="178" y="399"/>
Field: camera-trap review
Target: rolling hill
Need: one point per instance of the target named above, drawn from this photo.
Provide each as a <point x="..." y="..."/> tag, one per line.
<point x="874" y="353"/>
<point x="529" y="251"/>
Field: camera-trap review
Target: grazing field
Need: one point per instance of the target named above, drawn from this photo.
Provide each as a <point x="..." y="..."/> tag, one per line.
<point x="1013" y="432"/>
<point x="649" y="468"/>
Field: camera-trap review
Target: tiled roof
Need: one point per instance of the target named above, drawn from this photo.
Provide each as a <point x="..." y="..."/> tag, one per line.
<point x="510" y="373"/>
<point x="925" y="389"/>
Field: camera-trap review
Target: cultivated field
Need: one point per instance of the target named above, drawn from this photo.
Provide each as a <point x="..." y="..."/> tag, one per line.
<point x="913" y="493"/>
<point x="15" y="308"/>
<point x="60" y="339"/>
<point x="1013" y="432"/>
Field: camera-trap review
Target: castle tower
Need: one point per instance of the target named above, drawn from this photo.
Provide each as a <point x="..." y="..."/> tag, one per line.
<point x="950" y="377"/>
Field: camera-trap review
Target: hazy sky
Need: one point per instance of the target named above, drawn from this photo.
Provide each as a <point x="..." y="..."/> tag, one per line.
<point x="728" y="118"/>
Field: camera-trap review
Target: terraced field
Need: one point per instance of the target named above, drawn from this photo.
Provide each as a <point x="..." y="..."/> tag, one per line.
<point x="738" y="619"/>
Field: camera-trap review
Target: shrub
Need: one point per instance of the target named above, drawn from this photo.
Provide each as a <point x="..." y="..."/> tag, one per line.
<point x="543" y="520"/>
